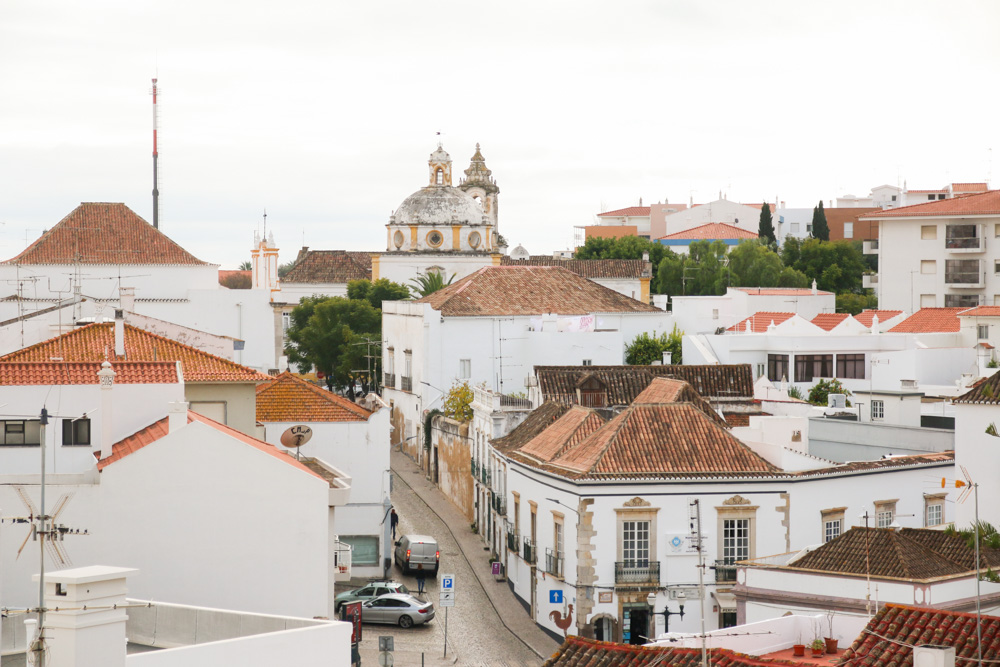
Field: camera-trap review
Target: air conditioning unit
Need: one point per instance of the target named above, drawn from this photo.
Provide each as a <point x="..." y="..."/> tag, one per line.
<point x="836" y="400"/>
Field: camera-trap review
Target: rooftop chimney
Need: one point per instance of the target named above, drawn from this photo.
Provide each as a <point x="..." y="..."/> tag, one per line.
<point x="814" y="287"/>
<point x="107" y="379"/>
<point x="126" y="299"/>
<point x="176" y="415"/>
<point x="119" y="333"/>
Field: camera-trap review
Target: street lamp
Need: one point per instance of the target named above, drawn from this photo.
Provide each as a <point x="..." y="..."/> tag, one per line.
<point x="666" y="613"/>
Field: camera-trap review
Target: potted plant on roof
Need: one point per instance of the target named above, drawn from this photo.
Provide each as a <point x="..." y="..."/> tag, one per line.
<point x="799" y="650"/>
<point x="817" y="646"/>
<point x="830" y="640"/>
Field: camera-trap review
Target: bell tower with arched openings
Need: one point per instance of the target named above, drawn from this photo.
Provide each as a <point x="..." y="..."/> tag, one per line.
<point x="479" y="184"/>
<point x="440" y="167"/>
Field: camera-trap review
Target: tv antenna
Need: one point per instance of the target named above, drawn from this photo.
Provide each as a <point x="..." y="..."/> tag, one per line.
<point x="48" y="534"/>
<point x="970" y="488"/>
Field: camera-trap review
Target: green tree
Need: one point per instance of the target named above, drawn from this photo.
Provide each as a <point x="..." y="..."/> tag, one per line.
<point x="822" y="389"/>
<point x="754" y="264"/>
<point x="283" y="269"/>
<point x="791" y="249"/>
<point x="703" y="271"/>
<point x="246" y="266"/>
<point x="765" y="230"/>
<point x="376" y="292"/>
<point x="821" y="230"/>
<point x="626" y="247"/>
<point x="849" y="302"/>
<point x="237" y="281"/>
<point x="428" y="283"/>
<point x="457" y="403"/>
<point x="329" y="335"/>
<point x="836" y="266"/>
<point x="646" y="348"/>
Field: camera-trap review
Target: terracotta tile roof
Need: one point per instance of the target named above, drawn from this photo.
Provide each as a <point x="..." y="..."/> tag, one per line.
<point x="985" y="203"/>
<point x="910" y="553"/>
<point x="43" y="373"/>
<point x="287" y="398"/>
<point x="622" y="212"/>
<point x="330" y="266"/>
<point x="161" y="428"/>
<point x="982" y="311"/>
<point x="95" y="342"/>
<point x="624" y="383"/>
<point x="529" y="290"/>
<point x="589" y="268"/>
<point x="937" y="458"/>
<point x="985" y="392"/>
<point x="759" y="322"/>
<point x="889" y="636"/>
<point x="662" y="440"/>
<point x="537" y="421"/>
<point x="672" y="390"/>
<point x="711" y="231"/>
<point x="103" y="233"/>
<point x="827" y="321"/>
<point x="575" y="425"/>
<point x="969" y="187"/>
<point x="779" y="291"/>
<point x="930" y="320"/>
<point x="867" y="317"/>
<point x="577" y="651"/>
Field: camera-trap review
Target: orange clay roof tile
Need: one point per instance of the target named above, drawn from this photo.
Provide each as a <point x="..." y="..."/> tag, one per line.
<point x="827" y="321"/>
<point x="104" y="233"/>
<point x="287" y="398"/>
<point x="43" y="373"/>
<point x="759" y="322"/>
<point x="712" y="230"/>
<point x="867" y="317"/>
<point x="622" y="212"/>
<point x="984" y="203"/>
<point x="96" y="342"/>
<point x="930" y="320"/>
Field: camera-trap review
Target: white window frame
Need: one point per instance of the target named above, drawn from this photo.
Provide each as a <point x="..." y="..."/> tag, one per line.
<point x="878" y="411"/>
<point x="983" y="331"/>
<point x="465" y="369"/>
<point x="636" y="542"/>
<point x="735" y="539"/>
<point x="832" y="529"/>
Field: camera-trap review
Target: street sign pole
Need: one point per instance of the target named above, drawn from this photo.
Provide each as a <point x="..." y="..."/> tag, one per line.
<point x="446" y="632"/>
<point x="447" y="600"/>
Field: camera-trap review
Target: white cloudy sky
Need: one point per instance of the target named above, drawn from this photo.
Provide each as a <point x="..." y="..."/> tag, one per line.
<point x="325" y="112"/>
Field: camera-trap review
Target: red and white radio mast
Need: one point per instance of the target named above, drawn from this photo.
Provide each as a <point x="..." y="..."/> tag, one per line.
<point x="156" y="189"/>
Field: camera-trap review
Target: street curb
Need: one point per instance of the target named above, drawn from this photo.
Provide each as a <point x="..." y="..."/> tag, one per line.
<point x="474" y="570"/>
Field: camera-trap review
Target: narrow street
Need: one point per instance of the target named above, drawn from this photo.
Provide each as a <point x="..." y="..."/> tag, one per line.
<point x="476" y="635"/>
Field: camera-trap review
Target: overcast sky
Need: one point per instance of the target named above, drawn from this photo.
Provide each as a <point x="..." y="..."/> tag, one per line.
<point x="324" y="113"/>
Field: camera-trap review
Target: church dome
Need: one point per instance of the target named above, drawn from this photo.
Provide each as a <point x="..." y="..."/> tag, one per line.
<point x="439" y="205"/>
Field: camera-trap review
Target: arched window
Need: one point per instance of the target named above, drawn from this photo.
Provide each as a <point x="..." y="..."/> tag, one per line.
<point x="440" y="176"/>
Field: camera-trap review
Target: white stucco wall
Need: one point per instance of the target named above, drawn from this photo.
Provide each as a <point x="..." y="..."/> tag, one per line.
<point x="151" y="281"/>
<point x="979" y="453"/>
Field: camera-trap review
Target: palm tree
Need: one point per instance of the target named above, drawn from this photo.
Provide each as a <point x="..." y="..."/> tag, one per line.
<point x="429" y="282"/>
<point x="246" y="266"/>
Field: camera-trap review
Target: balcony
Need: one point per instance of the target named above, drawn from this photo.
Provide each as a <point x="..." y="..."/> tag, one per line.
<point x="341" y="561"/>
<point x="407" y="383"/>
<point x="964" y="238"/>
<point x="499" y="504"/>
<point x="554" y="563"/>
<point x="530" y="553"/>
<point x="870" y="247"/>
<point x="485" y="475"/>
<point x="637" y="572"/>
<point x="513" y="540"/>
<point x="389" y="381"/>
<point x="475" y="468"/>
<point x="869" y="280"/>
<point x="725" y="571"/>
<point x="964" y="273"/>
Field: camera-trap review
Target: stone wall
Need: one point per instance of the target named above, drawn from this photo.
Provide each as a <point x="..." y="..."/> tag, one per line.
<point x="450" y="463"/>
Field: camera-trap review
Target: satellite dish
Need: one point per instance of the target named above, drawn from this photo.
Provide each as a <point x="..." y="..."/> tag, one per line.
<point x="296" y="436"/>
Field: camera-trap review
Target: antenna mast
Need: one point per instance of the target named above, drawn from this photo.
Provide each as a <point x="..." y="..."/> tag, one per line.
<point x="156" y="189"/>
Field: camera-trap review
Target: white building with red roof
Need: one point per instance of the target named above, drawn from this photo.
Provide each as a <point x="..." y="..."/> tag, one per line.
<point x="154" y="484"/>
<point x="705" y="314"/>
<point x="940" y="253"/>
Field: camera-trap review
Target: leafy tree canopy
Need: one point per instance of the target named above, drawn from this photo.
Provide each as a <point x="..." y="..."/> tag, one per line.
<point x="646" y="348"/>
<point x="849" y="302"/>
<point x="754" y="264"/>
<point x="820" y="229"/>
<point x="702" y="271"/>
<point x="836" y="266"/>
<point x="376" y="292"/>
<point x="457" y="402"/>
<point x="822" y="389"/>
<point x="328" y="334"/>
<point x="625" y="247"/>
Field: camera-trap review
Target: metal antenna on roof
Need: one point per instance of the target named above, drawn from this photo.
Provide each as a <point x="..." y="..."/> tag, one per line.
<point x="971" y="488"/>
<point x="156" y="156"/>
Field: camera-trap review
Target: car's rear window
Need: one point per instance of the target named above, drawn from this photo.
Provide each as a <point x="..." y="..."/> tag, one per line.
<point x="403" y="589"/>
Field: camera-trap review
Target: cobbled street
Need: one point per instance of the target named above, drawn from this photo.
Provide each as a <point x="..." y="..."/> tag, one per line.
<point x="476" y="636"/>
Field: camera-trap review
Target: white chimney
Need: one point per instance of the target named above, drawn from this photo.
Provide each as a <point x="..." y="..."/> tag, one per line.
<point x="667" y="355"/>
<point x="119" y="334"/>
<point x="85" y="624"/>
<point x="106" y="376"/>
<point x="126" y="299"/>
<point x="176" y="415"/>
<point x="933" y="656"/>
<point x="814" y="287"/>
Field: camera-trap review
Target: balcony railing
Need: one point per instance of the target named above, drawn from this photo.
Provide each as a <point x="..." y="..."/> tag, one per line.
<point x="513" y="541"/>
<point x="966" y="243"/>
<point x="499" y="504"/>
<point x="389" y="381"/>
<point x="870" y="247"/>
<point x="406" y="383"/>
<point x="554" y="563"/>
<point x="475" y="468"/>
<point x="637" y="572"/>
<point x="869" y="280"/>
<point x="725" y="571"/>
<point x="485" y="475"/>
<point x="530" y="553"/>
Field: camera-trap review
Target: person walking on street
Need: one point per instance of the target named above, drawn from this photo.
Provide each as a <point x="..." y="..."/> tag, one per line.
<point x="394" y="521"/>
<point x="420" y="582"/>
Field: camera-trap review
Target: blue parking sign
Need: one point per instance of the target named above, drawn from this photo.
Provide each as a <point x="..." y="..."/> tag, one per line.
<point x="447" y="582"/>
<point x="555" y="597"/>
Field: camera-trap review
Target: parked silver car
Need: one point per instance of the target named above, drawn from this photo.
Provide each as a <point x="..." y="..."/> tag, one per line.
<point x="397" y="608"/>
<point x="370" y="592"/>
